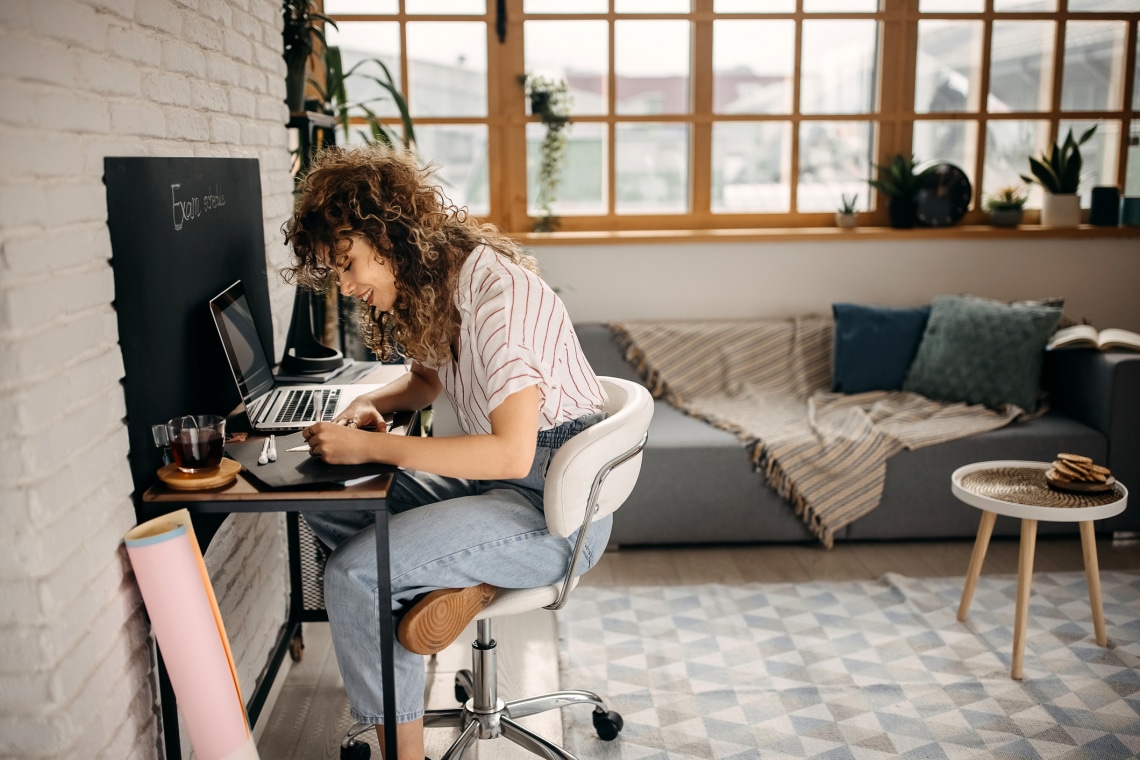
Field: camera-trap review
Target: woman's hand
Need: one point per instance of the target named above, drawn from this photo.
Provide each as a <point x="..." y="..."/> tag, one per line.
<point x="339" y="444"/>
<point x="361" y="413"/>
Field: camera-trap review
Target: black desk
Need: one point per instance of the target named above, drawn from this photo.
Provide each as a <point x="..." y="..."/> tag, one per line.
<point x="243" y="495"/>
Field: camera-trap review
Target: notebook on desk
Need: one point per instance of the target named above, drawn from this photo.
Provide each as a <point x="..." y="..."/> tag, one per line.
<point x="270" y="406"/>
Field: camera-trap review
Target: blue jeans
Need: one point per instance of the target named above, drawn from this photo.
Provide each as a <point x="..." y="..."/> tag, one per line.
<point x="443" y="533"/>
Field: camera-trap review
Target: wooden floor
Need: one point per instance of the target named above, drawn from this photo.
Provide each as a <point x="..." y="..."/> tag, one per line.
<point x="310" y="715"/>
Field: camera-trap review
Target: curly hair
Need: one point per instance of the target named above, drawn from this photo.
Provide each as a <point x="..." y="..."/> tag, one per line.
<point x="384" y="196"/>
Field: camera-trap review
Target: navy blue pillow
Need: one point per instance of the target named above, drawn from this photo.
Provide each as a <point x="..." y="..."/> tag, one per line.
<point x="875" y="345"/>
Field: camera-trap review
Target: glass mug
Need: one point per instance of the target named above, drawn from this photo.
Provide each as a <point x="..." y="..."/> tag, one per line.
<point x="196" y="441"/>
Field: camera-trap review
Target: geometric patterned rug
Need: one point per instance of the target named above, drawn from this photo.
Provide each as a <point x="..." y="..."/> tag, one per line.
<point x="855" y="670"/>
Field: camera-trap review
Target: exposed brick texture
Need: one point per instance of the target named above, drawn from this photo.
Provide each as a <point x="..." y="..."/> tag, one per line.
<point x="81" y="80"/>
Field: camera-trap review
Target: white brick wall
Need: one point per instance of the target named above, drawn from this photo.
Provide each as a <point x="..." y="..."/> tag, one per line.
<point x="81" y="80"/>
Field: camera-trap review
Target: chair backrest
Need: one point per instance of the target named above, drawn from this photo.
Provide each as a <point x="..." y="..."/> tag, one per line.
<point x="580" y="465"/>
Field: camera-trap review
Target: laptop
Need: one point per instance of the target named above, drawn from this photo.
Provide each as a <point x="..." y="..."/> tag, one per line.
<point x="270" y="406"/>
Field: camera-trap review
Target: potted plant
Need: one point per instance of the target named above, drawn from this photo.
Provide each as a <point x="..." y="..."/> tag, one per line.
<point x="303" y="24"/>
<point x="847" y="216"/>
<point x="335" y="96"/>
<point x="550" y="102"/>
<point x="1059" y="173"/>
<point x="1006" y="206"/>
<point x="900" y="180"/>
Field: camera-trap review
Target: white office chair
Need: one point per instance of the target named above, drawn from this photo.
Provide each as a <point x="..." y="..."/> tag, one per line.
<point x="589" y="477"/>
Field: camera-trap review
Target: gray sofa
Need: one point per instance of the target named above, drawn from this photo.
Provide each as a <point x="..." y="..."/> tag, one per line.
<point x="698" y="486"/>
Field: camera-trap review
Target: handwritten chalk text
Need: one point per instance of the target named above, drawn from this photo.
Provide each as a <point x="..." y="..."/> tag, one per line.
<point x="188" y="208"/>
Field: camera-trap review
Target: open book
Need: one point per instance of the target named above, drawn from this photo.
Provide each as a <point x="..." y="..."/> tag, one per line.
<point x="1087" y="336"/>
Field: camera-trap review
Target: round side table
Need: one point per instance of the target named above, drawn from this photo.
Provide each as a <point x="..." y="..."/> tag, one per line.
<point x="1018" y="489"/>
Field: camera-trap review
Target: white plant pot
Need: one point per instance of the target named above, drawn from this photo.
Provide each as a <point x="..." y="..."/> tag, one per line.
<point x="846" y="220"/>
<point x="1061" y="210"/>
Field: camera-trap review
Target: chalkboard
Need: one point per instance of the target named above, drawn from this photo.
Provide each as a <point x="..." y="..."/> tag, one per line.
<point x="182" y="231"/>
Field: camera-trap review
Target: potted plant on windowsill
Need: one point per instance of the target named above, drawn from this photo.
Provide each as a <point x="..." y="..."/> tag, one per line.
<point x="900" y="180"/>
<point x="303" y="24"/>
<point x="1059" y="173"/>
<point x="550" y="102"/>
<point x="847" y="216"/>
<point x="1007" y="206"/>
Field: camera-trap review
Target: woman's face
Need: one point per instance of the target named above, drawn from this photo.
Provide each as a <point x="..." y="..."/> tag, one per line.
<point x="364" y="274"/>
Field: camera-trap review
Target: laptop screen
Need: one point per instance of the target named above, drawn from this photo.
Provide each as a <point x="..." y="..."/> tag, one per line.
<point x="251" y="368"/>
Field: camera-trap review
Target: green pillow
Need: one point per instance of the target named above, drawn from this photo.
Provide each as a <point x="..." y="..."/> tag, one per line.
<point x="982" y="351"/>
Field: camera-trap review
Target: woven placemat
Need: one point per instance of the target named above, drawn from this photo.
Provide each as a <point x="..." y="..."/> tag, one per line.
<point x="1027" y="485"/>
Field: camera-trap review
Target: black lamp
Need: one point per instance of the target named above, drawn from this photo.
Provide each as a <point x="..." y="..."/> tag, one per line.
<point x="304" y="354"/>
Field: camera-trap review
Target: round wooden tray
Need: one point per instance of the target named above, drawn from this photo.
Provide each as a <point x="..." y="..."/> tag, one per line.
<point x="1076" y="487"/>
<point x="197" y="481"/>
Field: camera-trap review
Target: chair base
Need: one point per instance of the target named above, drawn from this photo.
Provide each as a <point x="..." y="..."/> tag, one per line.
<point x="484" y="716"/>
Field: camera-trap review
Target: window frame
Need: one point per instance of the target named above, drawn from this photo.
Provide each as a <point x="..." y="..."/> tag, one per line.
<point x="893" y="118"/>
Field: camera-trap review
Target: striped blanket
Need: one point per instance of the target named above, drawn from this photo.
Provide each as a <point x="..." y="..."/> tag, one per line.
<point x="768" y="382"/>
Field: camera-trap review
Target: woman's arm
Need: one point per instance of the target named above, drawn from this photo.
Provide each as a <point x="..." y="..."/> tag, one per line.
<point x="413" y="390"/>
<point x="507" y="452"/>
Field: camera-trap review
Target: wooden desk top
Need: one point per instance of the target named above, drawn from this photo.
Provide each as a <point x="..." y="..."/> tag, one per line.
<point x="242" y="489"/>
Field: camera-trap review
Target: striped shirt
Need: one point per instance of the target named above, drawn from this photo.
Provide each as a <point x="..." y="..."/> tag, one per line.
<point x="514" y="332"/>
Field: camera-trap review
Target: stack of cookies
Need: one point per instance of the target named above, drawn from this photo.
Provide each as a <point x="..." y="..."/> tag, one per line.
<point x="1079" y="473"/>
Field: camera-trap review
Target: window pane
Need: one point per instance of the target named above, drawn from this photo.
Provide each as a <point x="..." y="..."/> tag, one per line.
<point x="841" y="6"/>
<point x="952" y="141"/>
<point x="835" y="160"/>
<point x="951" y="6"/>
<point x="1104" y="5"/>
<point x="753" y="63"/>
<point x="652" y="168"/>
<point x="652" y="62"/>
<point x="949" y="63"/>
<point x="754" y="6"/>
<point x="576" y="52"/>
<point x="559" y="6"/>
<point x="581" y="187"/>
<point x="1094" y="70"/>
<point x="1009" y="144"/>
<point x="447" y="66"/>
<point x="387" y="7"/>
<point x="446" y="7"/>
<point x="1021" y="69"/>
<point x="1132" y="178"/>
<point x="751" y="166"/>
<point x="1098" y="155"/>
<point x="461" y="152"/>
<point x="1136" y="78"/>
<point x="837" y="66"/>
<point x="1024" y="6"/>
<point x="651" y="6"/>
<point x="361" y="40"/>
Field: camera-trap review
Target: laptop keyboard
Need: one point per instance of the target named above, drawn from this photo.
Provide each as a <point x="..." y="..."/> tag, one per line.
<point x="300" y="406"/>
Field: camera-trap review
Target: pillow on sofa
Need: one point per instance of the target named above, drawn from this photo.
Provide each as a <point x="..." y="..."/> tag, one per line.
<point x="982" y="351"/>
<point x="874" y="346"/>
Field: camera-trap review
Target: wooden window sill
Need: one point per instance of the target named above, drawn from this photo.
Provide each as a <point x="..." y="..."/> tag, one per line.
<point x="821" y="234"/>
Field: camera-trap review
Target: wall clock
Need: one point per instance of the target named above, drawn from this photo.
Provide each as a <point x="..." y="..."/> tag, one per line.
<point x="944" y="196"/>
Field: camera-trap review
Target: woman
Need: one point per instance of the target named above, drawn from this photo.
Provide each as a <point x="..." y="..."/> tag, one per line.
<point x="466" y="304"/>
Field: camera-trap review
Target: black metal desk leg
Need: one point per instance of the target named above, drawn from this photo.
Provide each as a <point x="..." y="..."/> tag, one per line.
<point x="387" y="632"/>
<point x="170" y="737"/>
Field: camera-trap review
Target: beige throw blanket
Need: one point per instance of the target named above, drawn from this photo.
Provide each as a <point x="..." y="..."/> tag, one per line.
<point x="768" y="382"/>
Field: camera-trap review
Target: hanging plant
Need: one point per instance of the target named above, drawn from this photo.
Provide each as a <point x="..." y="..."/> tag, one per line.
<point x="550" y="101"/>
<point x="303" y="26"/>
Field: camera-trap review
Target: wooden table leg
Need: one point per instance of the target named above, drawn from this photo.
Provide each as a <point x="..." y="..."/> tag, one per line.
<point x="1092" y="576"/>
<point x="1024" y="580"/>
<point x="981" y="544"/>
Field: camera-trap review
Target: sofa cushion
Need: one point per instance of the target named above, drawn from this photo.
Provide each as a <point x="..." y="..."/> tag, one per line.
<point x="982" y="351"/>
<point x="874" y="346"/>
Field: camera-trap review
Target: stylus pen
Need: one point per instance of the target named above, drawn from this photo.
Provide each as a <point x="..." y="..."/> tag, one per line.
<point x="272" y="448"/>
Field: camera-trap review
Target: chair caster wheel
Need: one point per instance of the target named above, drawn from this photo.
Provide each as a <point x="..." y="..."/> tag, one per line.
<point x="608" y="725"/>
<point x="356" y="751"/>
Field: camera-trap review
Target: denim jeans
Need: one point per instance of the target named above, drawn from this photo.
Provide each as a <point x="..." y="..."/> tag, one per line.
<point x="443" y="533"/>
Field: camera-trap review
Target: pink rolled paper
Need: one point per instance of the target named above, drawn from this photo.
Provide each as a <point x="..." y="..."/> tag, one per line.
<point x="184" y="615"/>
